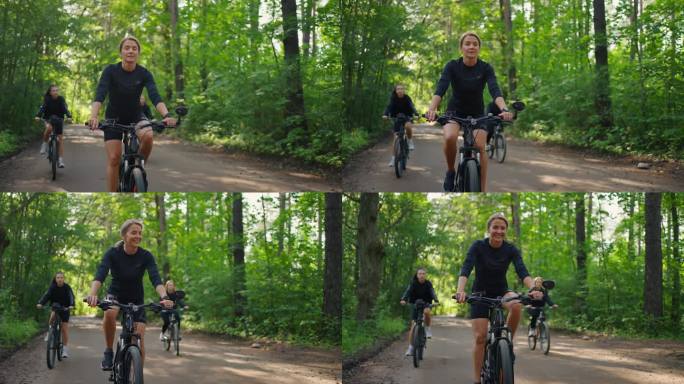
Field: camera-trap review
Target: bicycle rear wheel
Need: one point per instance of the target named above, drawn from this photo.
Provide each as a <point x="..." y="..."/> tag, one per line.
<point x="504" y="363"/>
<point x="51" y="349"/>
<point x="490" y="147"/>
<point x="53" y="157"/>
<point x="471" y="177"/>
<point x="500" y="148"/>
<point x="397" y="158"/>
<point x="531" y="340"/>
<point x="132" y="369"/>
<point x="176" y="338"/>
<point x="416" y="342"/>
<point x="138" y="181"/>
<point x="544" y="338"/>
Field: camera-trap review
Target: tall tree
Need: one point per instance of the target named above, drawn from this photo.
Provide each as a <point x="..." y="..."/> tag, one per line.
<point x="602" y="102"/>
<point x="581" y="249"/>
<point x="676" y="314"/>
<point x="508" y="46"/>
<point x="162" y="240"/>
<point x="332" y="281"/>
<point x="653" y="269"/>
<point x="370" y="251"/>
<point x="238" y="255"/>
<point x="294" y="107"/>
<point x="179" y="81"/>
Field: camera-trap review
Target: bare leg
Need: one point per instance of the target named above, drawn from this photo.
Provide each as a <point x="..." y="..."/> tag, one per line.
<point x="146" y="141"/>
<point x="410" y="335"/>
<point x="113" y="148"/>
<point x="65" y="333"/>
<point x="451" y="131"/>
<point x="480" y="333"/>
<point x="140" y="330"/>
<point x="514" y="311"/>
<point x="60" y="141"/>
<point x="109" y="326"/>
<point x="46" y="133"/>
<point x="409" y="130"/>
<point x="428" y="319"/>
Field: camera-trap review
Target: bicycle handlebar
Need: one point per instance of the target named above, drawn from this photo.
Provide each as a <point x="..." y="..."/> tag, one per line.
<point x="107" y="304"/>
<point x="495" y="302"/>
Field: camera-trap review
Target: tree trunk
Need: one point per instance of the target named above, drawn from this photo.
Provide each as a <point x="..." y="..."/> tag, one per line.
<point x="675" y="316"/>
<point x="653" y="272"/>
<point x="175" y="50"/>
<point x="162" y="241"/>
<point x="294" y="107"/>
<point x="238" y="255"/>
<point x="369" y="251"/>
<point x="602" y="100"/>
<point x="580" y="241"/>
<point x="332" y="284"/>
<point x="515" y="212"/>
<point x="281" y="222"/>
<point x="508" y="47"/>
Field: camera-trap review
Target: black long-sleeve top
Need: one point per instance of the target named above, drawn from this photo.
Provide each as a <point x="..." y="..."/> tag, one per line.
<point x="124" y="89"/>
<point x="416" y="290"/>
<point x="53" y="107"/>
<point x="127" y="273"/>
<point x="491" y="265"/>
<point x="467" y="86"/>
<point x="56" y="294"/>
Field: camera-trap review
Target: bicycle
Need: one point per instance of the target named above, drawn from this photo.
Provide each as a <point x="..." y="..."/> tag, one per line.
<point x="54" y="342"/>
<point x="497" y="142"/>
<point x="132" y="175"/>
<point x="174" y="327"/>
<point x="401" y="148"/>
<point x="53" y="150"/>
<point x="127" y="367"/>
<point x="418" y="338"/>
<point x="541" y="333"/>
<point x="497" y="364"/>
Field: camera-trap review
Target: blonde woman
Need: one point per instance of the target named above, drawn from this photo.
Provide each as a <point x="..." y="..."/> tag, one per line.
<point x="127" y="261"/>
<point x="177" y="299"/>
<point x="535" y="305"/>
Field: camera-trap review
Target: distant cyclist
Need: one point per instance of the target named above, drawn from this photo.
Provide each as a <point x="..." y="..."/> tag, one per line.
<point x="53" y="110"/>
<point x="535" y="310"/>
<point x="61" y="293"/>
<point x="124" y="83"/>
<point x="419" y="288"/>
<point x="467" y="77"/>
<point x="179" y="303"/>
<point x="400" y="102"/>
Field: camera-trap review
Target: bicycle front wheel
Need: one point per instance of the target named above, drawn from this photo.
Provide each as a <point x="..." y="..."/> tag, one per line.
<point x="51" y="350"/>
<point x="53" y="158"/>
<point x="138" y="181"/>
<point x="531" y="340"/>
<point x="500" y="144"/>
<point x="471" y="177"/>
<point x="132" y="369"/>
<point x="416" y="346"/>
<point x="544" y="338"/>
<point x="166" y="341"/>
<point x="397" y="158"/>
<point x="176" y="338"/>
<point x="504" y="364"/>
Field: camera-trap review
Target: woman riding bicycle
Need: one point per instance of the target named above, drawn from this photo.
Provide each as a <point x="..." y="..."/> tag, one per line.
<point x="59" y="292"/>
<point x="124" y="83"/>
<point x="53" y="110"/>
<point x="400" y="102"/>
<point x="127" y="261"/>
<point x="535" y="305"/>
<point x="491" y="258"/>
<point x="467" y="77"/>
<point x="178" y="302"/>
<point x="419" y="288"/>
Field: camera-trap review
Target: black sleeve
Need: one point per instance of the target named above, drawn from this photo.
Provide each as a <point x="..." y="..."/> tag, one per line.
<point x="41" y="111"/>
<point x="407" y="294"/>
<point x="444" y="80"/>
<point x="65" y="108"/>
<point x="519" y="265"/>
<point x="152" y="271"/>
<point x="103" y="84"/>
<point x="72" y="301"/>
<point x="547" y="298"/>
<point x="414" y="112"/>
<point x="469" y="262"/>
<point x="47" y="295"/>
<point x="432" y="292"/>
<point x="389" y="108"/>
<point x="104" y="267"/>
<point x="152" y="91"/>
<point x="493" y="86"/>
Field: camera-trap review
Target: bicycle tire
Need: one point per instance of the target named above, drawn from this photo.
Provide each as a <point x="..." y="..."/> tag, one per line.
<point x="51" y="350"/>
<point x="58" y="344"/>
<point x="397" y="158"/>
<point x="133" y="370"/>
<point x="138" y="181"/>
<point x="421" y="343"/>
<point x="545" y="338"/>
<point x="176" y="338"/>
<point x="504" y="367"/>
<point x="471" y="177"/>
<point x="404" y="154"/>
<point x="416" y="359"/>
<point x="500" y="141"/>
<point x="53" y="158"/>
<point x="492" y="145"/>
<point x="166" y="341"/>
<point x="531" y="340"/>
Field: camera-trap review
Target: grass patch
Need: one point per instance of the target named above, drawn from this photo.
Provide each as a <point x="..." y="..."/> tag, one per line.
<point x="9" y="143"/>
<point x="359" y="336"/>
<point x="14" y="332"/>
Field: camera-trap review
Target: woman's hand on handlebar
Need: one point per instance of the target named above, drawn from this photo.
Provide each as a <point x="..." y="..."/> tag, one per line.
<point x="507" y="116"/>
<point x="403" y="302"/>
<point x="170" y="121"/>
<point x="460" y="297"/>
<point x="431" y="115"/>
<point x="93" y="124"/>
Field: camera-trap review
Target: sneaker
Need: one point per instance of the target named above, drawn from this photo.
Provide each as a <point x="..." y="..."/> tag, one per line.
<point x="411" y="145"/>
<point x="46" y="336"/>
<point x="428" y="332"/>
<point x="532" y="332"/>
<point x="391" y="163"/>
<point x="60" y="163"/>
<point x="409" y="351"/>
<point x="449" y="181"/>
<point x="43" y="148"/>
<point x="107" y="360"/>
<point x="65" y="352"/>
<point x="162" y="336"/>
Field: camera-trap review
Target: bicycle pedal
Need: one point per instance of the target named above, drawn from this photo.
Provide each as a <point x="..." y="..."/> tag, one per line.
<point x="107" y="368"/>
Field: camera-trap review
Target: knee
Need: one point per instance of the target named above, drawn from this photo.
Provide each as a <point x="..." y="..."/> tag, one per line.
<point x="480" y="338"/>
<point x="451" y="137"/>
<point x="516" y="308"/>
<point x="113" y="161"/>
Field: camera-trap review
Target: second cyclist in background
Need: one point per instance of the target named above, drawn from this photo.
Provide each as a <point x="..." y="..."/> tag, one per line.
<point x="419" y="288"/>
<point x="400" y="102"/>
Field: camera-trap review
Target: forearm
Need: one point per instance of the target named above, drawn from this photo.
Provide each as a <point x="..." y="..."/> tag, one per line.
<point x="161" y="291"/>
<point x="434" y="104"/>
<point x="95" y="109"/>
<point x="95" y="287"/>
<point x="462" y="280"/>
<point x="529" y="283"/>
<point x="499" y="101"/>
<point x="161" y="108"/>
